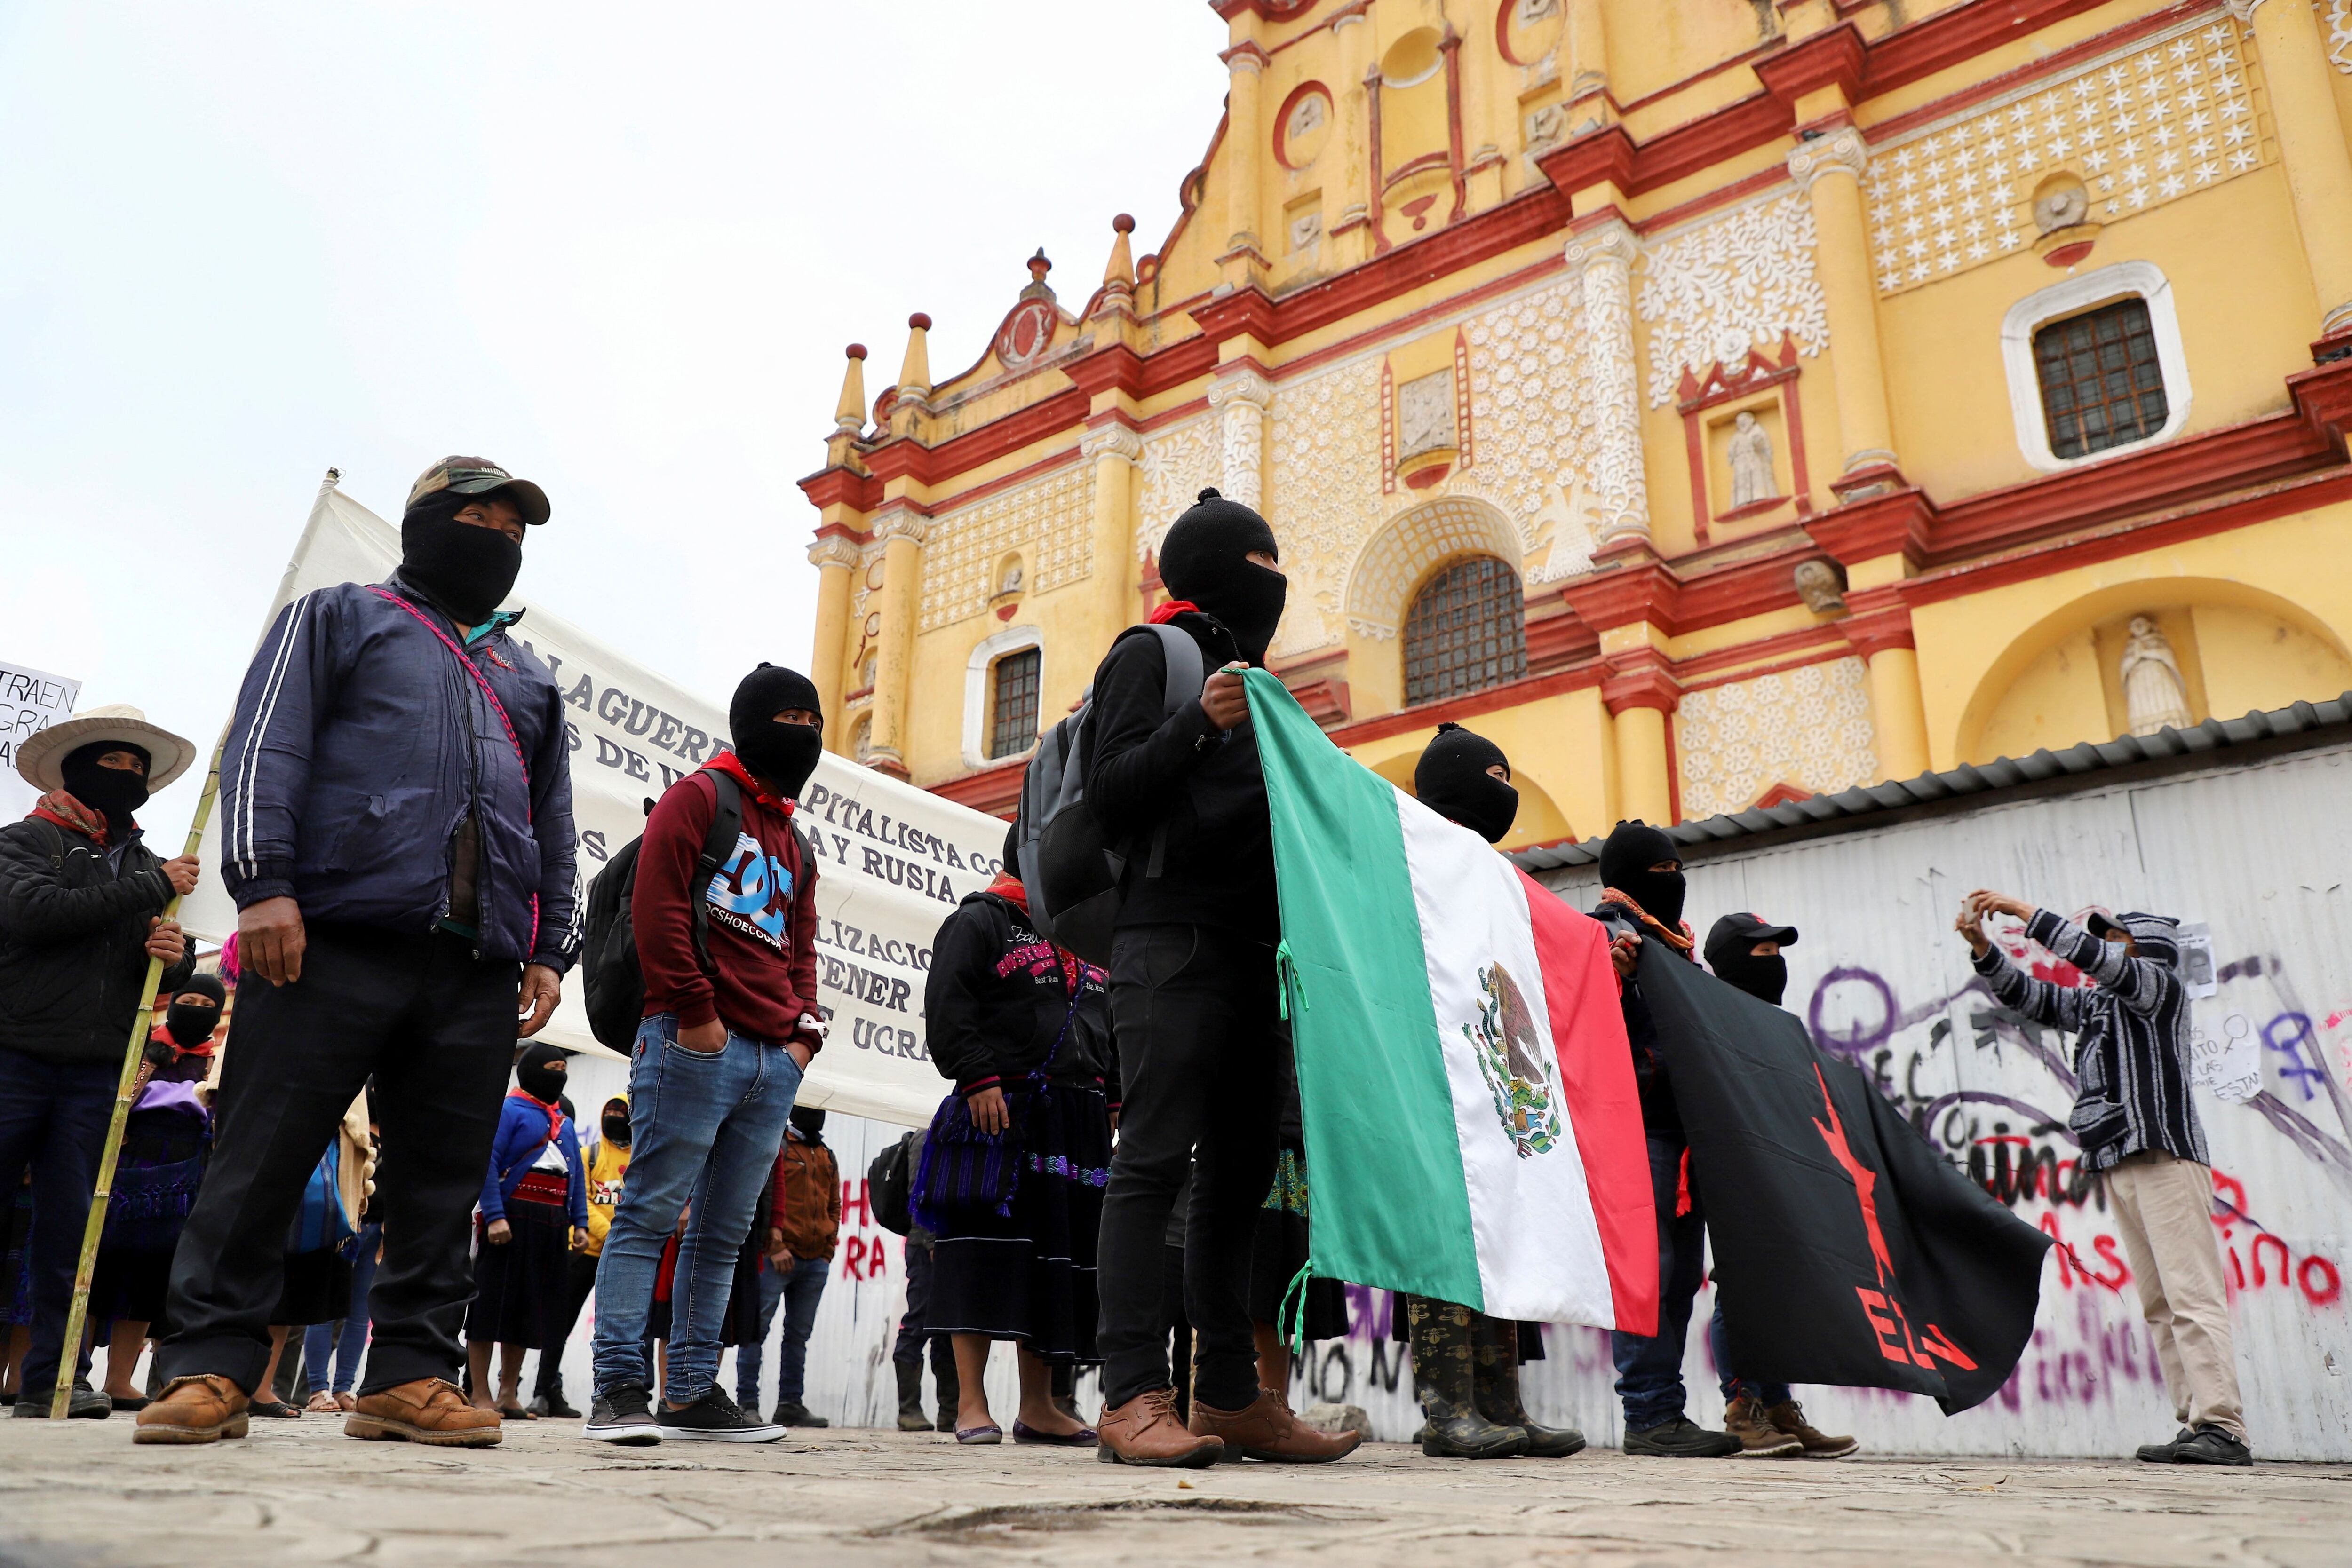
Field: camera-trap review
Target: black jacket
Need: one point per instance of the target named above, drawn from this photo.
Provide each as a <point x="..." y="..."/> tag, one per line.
<point x="1147" y="771"/>
<point x="1658" y="1112"/>
<point x="73" y="940"/>
<point x="995" y="999"/>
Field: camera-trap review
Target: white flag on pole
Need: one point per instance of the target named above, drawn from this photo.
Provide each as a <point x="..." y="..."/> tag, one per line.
<point x="892" y="860"/>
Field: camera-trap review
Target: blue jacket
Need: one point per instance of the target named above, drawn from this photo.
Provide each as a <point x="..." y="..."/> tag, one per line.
<point x="522" y="1130"/>
<point x="363" y="740"/>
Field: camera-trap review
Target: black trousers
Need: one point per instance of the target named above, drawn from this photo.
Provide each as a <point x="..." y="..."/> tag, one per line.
<point x="579" y="1285"/>
<point x="434" y="1027"/>
<point x="1193" y="1009"/>
<point x="914" y="1328"/>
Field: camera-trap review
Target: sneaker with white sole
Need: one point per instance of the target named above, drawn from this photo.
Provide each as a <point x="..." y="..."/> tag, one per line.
<point x="715" y="1418"/>
<point x="622" y="1414"/>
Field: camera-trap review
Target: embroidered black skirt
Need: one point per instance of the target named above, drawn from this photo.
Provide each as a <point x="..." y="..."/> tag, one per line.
<point x="1029" y="1274"/>
<point x="519" y="1286"/>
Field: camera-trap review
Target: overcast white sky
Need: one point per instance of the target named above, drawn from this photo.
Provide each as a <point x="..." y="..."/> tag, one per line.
<point x="616" y="249"/>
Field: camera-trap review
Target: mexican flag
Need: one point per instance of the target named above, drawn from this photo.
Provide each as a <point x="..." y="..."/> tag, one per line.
<point x="1473" y="1132"/>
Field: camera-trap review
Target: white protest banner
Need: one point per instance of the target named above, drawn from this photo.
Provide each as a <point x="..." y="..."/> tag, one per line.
<point x="892" y="860"/>
<point x="30" y="701"/>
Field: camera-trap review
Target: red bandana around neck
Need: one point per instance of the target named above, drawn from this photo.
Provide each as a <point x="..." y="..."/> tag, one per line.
<point x="62" y="809"/>
<point x="1681" y="941"/>
<point x="733" y="766"/>
<point x="554" y="1113"/>
<point x="1172" y="608"/>
<point x="1010" y="888"/>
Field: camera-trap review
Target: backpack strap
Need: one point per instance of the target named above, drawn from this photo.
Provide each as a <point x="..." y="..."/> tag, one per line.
<point x="717" y="847"/>
<point x="1187" y="672"/>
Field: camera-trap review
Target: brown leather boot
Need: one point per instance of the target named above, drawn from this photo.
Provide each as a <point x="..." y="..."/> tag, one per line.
<point x="193" y="1410"/>
<point x="1144" y="1431"/>
<point x="429" y="1410"/>
<point x="1265" y="1429"/>
<point x="1789" y="1417"/>
<point x="1744" y="1418"/>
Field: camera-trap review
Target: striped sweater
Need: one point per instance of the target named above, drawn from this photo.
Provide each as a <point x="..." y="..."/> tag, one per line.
<point x="2133" y="1053"/>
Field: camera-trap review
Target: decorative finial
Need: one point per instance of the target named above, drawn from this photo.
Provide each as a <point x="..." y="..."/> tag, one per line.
<point x="849" y="414"/>
<point x="915" y="373"/>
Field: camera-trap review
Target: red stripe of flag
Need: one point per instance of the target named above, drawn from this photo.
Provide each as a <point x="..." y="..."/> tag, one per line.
<point x="1596" y="1074"/>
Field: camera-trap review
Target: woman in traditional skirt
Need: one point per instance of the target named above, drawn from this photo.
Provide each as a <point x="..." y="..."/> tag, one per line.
<point x="165" y="1140"/>
<point x="1023" y="1026"/>
<point x="534" y="1215"/>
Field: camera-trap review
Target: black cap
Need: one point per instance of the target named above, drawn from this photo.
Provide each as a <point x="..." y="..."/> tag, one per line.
<point x="1736" y="935"/>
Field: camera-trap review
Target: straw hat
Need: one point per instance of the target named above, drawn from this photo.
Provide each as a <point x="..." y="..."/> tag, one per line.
<point x="169" y="754"/>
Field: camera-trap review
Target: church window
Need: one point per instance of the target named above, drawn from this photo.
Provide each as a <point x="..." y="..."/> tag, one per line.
<point x="1013" y="722"/>
<point x="1466" y="632"/>
<point x="2102" y="384"/>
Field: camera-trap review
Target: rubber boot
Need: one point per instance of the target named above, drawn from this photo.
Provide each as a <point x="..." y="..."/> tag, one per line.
<point x="910" y="1397"/>
<point x="1496" y="1342"/>
<point x="950" y="1390"/>
<point x="1444" y="1376"/>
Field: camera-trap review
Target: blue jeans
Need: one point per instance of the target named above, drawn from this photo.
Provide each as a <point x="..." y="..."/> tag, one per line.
<point x="799" y="1287"/>
<point x="53" y="1117"/>
<point x="1650" y="1366"/>
<point x="1734" y="1386"/>
<point x="321" y="1343"/>
<point x="714" y="1119"/>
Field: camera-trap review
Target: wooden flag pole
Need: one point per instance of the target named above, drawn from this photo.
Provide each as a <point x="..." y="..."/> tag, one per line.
<point x="125" y="1091"/>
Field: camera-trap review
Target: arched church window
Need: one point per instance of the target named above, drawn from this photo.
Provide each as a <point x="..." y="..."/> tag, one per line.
<point x="1013" y="712"/>
<point x="1467" y="630"/>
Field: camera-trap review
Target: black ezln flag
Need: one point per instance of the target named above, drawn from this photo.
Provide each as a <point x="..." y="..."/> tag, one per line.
<point x="1847" y="1250"/>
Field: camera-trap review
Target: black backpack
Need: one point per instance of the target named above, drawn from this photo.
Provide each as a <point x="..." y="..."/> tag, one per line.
<point x="890" y="1186"/>
<point x="609" y="970"/>
<point x="1075" y="875"/>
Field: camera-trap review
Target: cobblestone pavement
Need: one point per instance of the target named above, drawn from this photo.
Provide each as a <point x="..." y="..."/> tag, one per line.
<point x="301" y="1493"/>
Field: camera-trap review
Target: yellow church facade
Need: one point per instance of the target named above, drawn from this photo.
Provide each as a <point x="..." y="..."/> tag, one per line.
<point x="1713" y="402"/>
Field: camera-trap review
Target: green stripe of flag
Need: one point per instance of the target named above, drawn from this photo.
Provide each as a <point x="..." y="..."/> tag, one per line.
<point x="1388" y="1202"/>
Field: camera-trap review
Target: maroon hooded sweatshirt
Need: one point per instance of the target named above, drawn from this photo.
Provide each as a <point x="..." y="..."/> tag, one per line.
<point x="762" y="909"/>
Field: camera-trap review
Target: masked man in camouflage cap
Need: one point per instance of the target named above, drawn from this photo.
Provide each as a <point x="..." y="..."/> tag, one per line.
<point x="397" y="806"/>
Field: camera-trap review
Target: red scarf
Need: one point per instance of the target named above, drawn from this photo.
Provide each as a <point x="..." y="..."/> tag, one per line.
<point x="1681" y="941"/>
<point x="554" y="1113"/>
<point x="733" y="766"/>
<point x="62" y="809"/>
<point x="164" y="1032"/>
<point x="1172" y="608"/>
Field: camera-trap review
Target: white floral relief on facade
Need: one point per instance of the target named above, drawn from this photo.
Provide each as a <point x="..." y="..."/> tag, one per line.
<point x="1809" y="727"/>
<point x="2140" y="128"/>
<point x="1324" y="493"/>
<point x="1534" y="424"/>
<point x="1177" y="464"/>
<point x="1049" y="520"/>
<point x="2339" y="20"/>
<point x="1421" y="540"/>
<point x="1715" y="291"/>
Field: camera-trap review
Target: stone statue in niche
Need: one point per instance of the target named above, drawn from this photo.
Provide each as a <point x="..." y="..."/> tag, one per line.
<point x="1425" y="414"/>
<point x="1011" y="582"/>
<point x="1751" y="461"/>
<point x="2155" y="695"/>
<point x="1819" y="586"/>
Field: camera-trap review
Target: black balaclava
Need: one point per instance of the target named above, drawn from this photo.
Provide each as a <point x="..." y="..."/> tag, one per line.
<point x="1205" y="558"/>
<point x="1625" y="862"/>
<point x="1013" y="850"/>
<point x="1451" y="779"/>
<point x="192" y="1023"/>
<point x="1732" y="954"/>
<point x="782" y="754"/>
<point x="112" y="792"/>
<point x="469" y="571"/>
<point x="810" y="1122"/>
<point x="542" y="1072"/>
<point x="616" y="1124"/>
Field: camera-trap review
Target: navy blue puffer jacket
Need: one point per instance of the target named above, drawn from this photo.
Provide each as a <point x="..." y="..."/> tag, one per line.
<point x="365" y="733"/>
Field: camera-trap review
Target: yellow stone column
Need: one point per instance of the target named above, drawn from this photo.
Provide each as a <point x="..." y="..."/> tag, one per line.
<point x="1602" y="257"/>
<point x="1641" y="697"/>
<point x="1898" y="713"/>
<point x="1244" y="162"/>
<point x="835" y="555"/>
<point x="901" y="530"/>
<point x="2311" y="145"/>
<point x="1115" y="450"/>
<point x="1349" y="149"/>
<point x="1240" y="396"/>
<point x="1828" y="168"/>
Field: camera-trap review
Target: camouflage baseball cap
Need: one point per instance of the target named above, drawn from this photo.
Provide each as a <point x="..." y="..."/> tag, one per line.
<point x="480" y="477"/>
